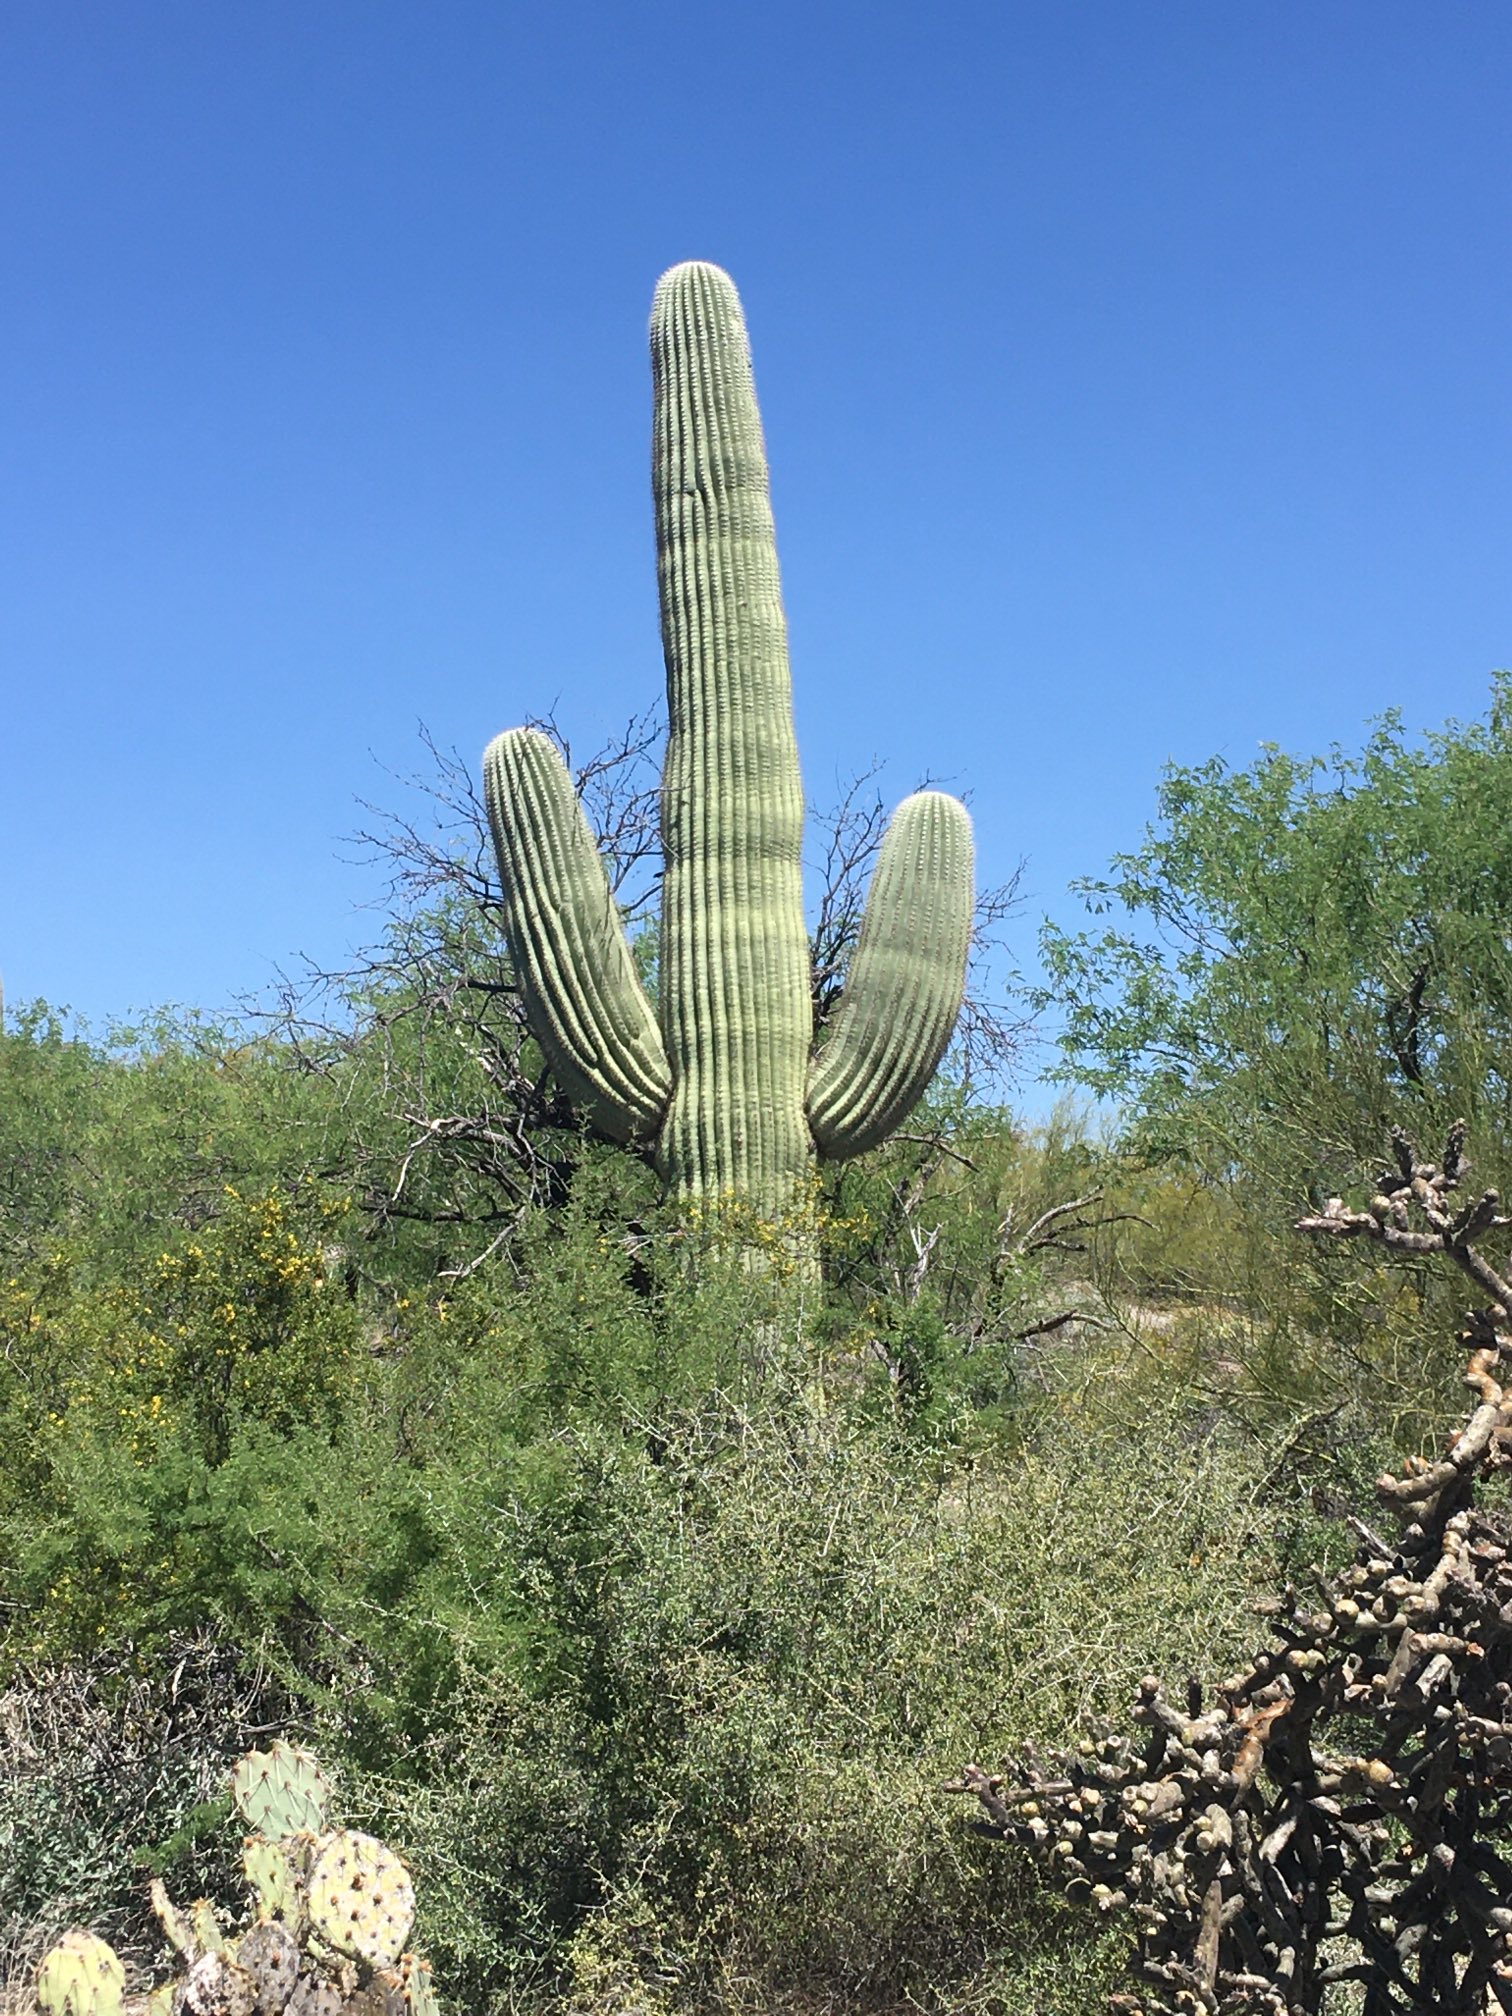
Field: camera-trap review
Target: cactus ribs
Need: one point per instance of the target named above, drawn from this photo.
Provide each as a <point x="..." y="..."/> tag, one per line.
<point x="720" y="1076"/>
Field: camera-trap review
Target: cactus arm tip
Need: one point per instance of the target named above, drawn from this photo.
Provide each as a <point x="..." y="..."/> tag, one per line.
<point x="906" y="982"/>
<point x="584" y="999"/>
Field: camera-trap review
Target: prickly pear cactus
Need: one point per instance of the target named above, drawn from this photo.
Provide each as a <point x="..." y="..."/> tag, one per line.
<point x="216" y="1986"/>
<point x="81" y="1976"/>
<point x="331" y="1911"/>
<point x="281" y="1790"/>
<point x="179" y="1930"/>
<point x="271" y="1960"/>
<point x="361" y="1899"/>
<point x="415" y="1983"/>
<point x="721" y="1077"/>
<point x="315" y="1995"/>
<point x="271" y="1873"/>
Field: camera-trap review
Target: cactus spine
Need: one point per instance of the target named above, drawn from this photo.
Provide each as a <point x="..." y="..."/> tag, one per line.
<point x="332" y="1910"/>
<point x="722" y="1082"/>
<point x="81" y="1976"/>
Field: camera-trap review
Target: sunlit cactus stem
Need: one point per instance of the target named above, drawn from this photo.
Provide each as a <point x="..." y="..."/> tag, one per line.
<point x="720" y="1079"/>
<point x="736" y="1014"/>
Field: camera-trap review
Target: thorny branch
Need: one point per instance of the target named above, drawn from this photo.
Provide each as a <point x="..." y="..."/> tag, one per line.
<point x="1340" y="1811"/>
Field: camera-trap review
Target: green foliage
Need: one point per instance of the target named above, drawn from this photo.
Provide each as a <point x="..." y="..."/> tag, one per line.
<point x="754" y="1649"/>
<point x="1329" y="957"/>
<point x="646" y="1606"/>
<point x="109" y="1147"/>
<point x="111" y="1770"/>
<point x="1309" y="951"/>
<point x="646" y="1629"/>
<point x="150" y="1413"/>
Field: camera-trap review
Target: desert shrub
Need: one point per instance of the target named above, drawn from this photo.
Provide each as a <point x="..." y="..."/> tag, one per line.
<point x="743" y="1656"/>
<point x="648" y="1627"/>
<point x="114" y="1773"/>
<point x="142" y="1407"/>
<point x="1294" y="956"/>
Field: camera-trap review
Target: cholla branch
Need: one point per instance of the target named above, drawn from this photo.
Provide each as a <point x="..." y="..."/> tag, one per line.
<point x="1427" y="1185"/>
<point x="1341" y="1810"/>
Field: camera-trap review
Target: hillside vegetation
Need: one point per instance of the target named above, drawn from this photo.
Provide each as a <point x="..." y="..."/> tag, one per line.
<point x="349" y="1390"/>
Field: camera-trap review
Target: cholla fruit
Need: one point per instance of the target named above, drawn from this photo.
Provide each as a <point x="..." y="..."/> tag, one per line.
<point x="361" y="1899"/>
<point x="81" y="1976"/>
<point x="719" y="1077"/>
<point x="281" y="1790"/>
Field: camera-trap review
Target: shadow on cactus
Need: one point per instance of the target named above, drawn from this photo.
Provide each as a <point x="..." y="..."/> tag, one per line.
<point x="331" y="1916"/>
<point x="721" y="1080"/>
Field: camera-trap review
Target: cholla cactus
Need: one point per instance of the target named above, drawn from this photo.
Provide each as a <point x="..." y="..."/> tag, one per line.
<point x="1333" y="1820"/>
<point x="332" y="1910"/>
<point x="722" y="1082"/>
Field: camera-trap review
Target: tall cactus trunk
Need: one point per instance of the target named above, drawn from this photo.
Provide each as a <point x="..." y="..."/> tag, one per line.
<point x="725" y="1089"/>
<point x="735" y="1002"/>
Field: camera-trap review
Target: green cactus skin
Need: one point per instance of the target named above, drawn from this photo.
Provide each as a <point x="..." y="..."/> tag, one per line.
<point x="728" y="1094"/>
<point x="419" y="1994"/>
<point x="735" y="954"/>
<point x="281" y="1790"/>
<point x="361" y="1899"/>
<point x="81" y="1976"/>
<point x="205" y="1927"/>
<point x="272" y="1878"/>
<point x="586" y="1005"/>
<point x="180" y="1932"/>
<point x="903" y="991"/>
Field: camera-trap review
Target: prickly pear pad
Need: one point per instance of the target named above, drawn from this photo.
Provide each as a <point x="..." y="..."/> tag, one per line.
<point x="361" y="1899"/>
<point x="271" y="1960"/>
<point x="81" y="1976"/>
<point x="172" y="1920"/>
<point x="281" y="1790"/>
<point x="216" y="1986"/>
<point x="315" y="1997"/>
<point x="418" y="1991"/>
<point x="272" y="1877"/>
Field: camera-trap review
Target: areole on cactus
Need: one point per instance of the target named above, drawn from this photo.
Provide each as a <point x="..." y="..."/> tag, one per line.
<point x="331" y="1913"/>
<point x="722" y="1079"/>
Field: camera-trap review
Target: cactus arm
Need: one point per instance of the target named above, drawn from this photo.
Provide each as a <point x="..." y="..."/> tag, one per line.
<point x="583" y="997"/>
<point x="906" y="980"/>
<point x="735" y="1006"/>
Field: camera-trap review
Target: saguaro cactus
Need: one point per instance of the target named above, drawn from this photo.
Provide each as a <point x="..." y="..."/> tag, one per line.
<point x="722" y="1082"/>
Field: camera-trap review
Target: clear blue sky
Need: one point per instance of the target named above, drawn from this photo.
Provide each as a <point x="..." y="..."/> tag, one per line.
<point x="1135" y="377"/>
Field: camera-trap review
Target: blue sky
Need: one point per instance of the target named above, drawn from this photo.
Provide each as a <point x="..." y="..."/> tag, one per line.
<point x="1135" y="380"/>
